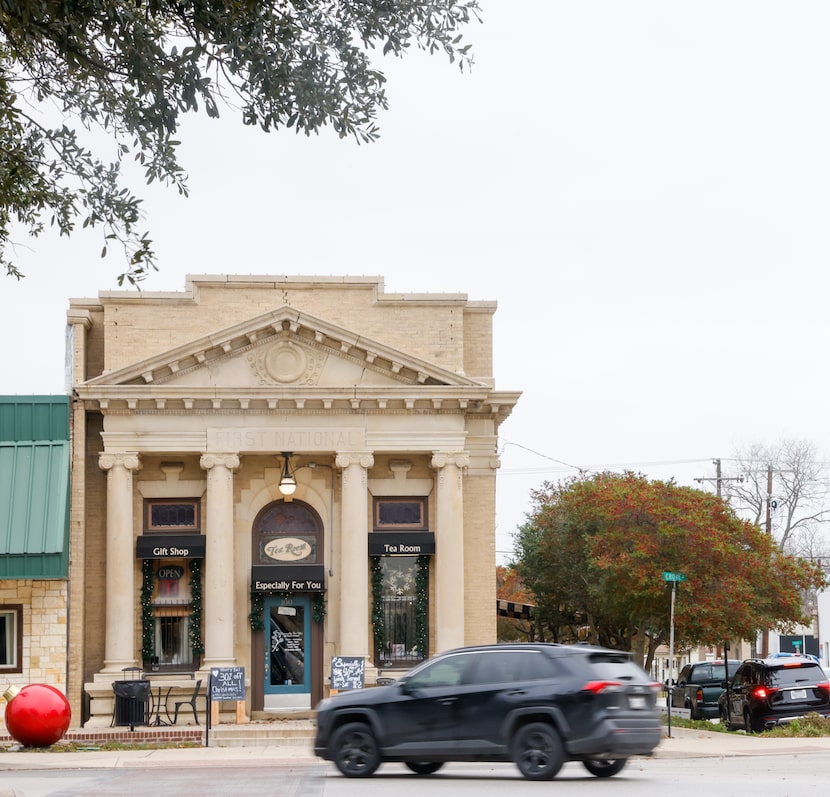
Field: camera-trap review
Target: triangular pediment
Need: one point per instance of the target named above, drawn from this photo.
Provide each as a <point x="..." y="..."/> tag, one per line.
<point x="283" y="349"/>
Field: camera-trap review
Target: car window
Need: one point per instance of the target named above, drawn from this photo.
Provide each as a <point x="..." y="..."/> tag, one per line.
<point x="448" y="671"/>
<point x="702" y="672"/>
<point x="507" y="666"/>
<point x="791" y="676"/>
<point x="494" y="667"/>
<point x="742" y="676"/>
<point x="612" y="666"/>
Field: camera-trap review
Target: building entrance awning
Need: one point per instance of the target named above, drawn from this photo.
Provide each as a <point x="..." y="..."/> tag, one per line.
<point x="517" y="611"/>
<point x="34" y="487"/>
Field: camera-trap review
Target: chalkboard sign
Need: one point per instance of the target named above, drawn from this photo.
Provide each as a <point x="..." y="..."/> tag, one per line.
<point x="227" y="683"/>
<point x="347" y="672"/>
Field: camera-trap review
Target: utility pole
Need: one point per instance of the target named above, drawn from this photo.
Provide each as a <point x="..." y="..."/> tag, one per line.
<point x="718" y="478"/>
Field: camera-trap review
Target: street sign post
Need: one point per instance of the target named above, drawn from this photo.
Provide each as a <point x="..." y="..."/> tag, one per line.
<point x="671" y="578"/>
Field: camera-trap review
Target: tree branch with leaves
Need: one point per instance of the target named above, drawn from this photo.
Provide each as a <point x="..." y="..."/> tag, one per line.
<point x="133" y="69"/>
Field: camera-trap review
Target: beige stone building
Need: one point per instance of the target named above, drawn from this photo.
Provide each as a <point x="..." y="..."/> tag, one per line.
<point x="272" y="473"/>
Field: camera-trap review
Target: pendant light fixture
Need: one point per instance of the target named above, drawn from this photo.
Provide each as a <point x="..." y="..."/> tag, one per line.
<point x="288" y="484"/>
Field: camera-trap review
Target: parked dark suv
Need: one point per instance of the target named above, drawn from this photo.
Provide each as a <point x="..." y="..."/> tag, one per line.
<point x="768" y="692"/>
<point x="537" y="705"/>
<point x="699" y="686"/>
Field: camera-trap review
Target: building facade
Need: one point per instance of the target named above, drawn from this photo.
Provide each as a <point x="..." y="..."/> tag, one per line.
<point x="34" y="540"/>
<point x="274" y="472"/>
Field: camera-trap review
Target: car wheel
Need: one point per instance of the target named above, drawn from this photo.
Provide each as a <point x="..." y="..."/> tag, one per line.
<point x="538" y="752"/>
<point x="356" y="752"/>
<point x="692" y="713"/>
<point x="604" y="767"/>
<point x="749" y="725"/>
<point x="724" y="719"/>
<point x="424" y="767"/>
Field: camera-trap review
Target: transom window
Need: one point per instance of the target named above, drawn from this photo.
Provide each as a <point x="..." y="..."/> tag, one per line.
<point x="400" y="513"/>
<point x="180" y="515"/>
<point x="287" y="532"/>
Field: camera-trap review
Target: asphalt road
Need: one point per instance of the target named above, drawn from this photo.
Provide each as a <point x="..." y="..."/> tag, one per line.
<point x="777" y="774"/>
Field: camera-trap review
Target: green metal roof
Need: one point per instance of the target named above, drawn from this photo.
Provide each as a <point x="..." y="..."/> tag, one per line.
<point x="34" y="487"/>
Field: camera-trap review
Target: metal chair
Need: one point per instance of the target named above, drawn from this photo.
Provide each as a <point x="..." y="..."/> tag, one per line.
<point x="192" y="703"/>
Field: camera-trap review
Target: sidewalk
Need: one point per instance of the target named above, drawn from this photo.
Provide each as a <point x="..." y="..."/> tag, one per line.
<point x="683" y="743"/>
<point x="688" y="743"/>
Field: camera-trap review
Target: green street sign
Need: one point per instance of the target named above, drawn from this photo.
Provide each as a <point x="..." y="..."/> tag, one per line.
<point x="669" y="576"/>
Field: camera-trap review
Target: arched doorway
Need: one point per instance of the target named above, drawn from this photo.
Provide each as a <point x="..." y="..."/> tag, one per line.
<point x="287" y="589"/>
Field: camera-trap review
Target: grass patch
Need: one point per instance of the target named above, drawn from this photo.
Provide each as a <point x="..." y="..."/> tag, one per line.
<point x="89" y="747"/>
<point x="811" y="725"/>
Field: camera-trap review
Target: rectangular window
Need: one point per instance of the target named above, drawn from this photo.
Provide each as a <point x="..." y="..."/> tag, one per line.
<point x="172" y="639"/>
<point x="11" y="638"/>
<point x="172" y="514"/>
<point x="400" y="513"/>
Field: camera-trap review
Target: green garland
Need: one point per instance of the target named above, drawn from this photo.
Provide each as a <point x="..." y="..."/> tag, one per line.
<point x="197" y="646"/>
<point x="148" y="625"/>
<point x="378" y="624"/>
<point x="255" y="615"/>
<point x="318" y="607"/>
<point x="422" y="606"/>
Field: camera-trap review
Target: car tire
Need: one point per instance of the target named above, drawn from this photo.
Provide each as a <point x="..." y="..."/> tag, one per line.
<point x="749" y="725"/>
<point x="355" y="750"/>
<point x="538" y="751"/>
<point x="604" y="767"/>
<point x="692" y="712"/>
<point x="424" y="767"/>
<point x="724" y="718"/>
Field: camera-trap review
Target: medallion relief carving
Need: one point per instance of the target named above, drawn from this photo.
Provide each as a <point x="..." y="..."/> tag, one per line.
<point x="286" y="363"/>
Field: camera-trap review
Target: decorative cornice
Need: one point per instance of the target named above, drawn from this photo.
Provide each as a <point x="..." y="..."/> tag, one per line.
<point x="129" y="399"/>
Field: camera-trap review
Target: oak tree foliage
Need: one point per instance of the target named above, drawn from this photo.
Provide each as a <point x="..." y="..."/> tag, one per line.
<point x="131" y="68"/>
<point x="594" y="549"/>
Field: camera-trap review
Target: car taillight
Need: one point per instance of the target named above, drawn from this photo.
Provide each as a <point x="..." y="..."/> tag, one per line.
<point x="699" y="695"/>
<point x="825" y="687"/>
<point x="595" y="687"/>
<point x="763" y="692"/>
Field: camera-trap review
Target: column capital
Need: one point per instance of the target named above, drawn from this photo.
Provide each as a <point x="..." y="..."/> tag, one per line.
<point x="363" y="458"/>
<point x="212" y="459"/>
<point x="440" y="459"/>
<point x="127" y="459"/>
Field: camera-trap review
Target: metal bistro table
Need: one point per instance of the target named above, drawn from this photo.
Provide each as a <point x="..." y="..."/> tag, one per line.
<point x="156" y="709"/>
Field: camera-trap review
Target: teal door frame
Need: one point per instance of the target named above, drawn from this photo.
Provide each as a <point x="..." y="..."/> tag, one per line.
<point x="287" y="644"/>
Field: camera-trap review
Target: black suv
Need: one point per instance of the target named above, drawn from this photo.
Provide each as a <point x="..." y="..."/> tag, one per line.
<point x="699" y="686"/>
<point x="537" y="705"/>
<point x="768" y="692"/>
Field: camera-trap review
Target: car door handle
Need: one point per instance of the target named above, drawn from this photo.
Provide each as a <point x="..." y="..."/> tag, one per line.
<point x="516" y="692"/>
<point x="447" y="701"/>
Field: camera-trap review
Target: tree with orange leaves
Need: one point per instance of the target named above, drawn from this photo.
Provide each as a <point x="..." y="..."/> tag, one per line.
<point x="594" y="550"/>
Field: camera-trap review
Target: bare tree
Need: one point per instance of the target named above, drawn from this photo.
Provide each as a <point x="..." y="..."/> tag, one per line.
<point x="784" y="490"/>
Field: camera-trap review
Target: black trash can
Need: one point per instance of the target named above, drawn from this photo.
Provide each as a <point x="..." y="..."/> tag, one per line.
<point x="132" y="702"/>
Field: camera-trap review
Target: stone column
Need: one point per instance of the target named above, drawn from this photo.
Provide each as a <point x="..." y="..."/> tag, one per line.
<point x="354" y="557"/>
<point x="119" y="644"/>
<point x="449" y="549"/>
<point x="219" y="568"/>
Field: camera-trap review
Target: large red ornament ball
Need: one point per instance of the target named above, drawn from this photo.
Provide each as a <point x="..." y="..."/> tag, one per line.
<point x="38" y="715"/>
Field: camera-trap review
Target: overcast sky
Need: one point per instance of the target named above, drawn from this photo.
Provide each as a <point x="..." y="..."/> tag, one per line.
<point x="643" y="187"/>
